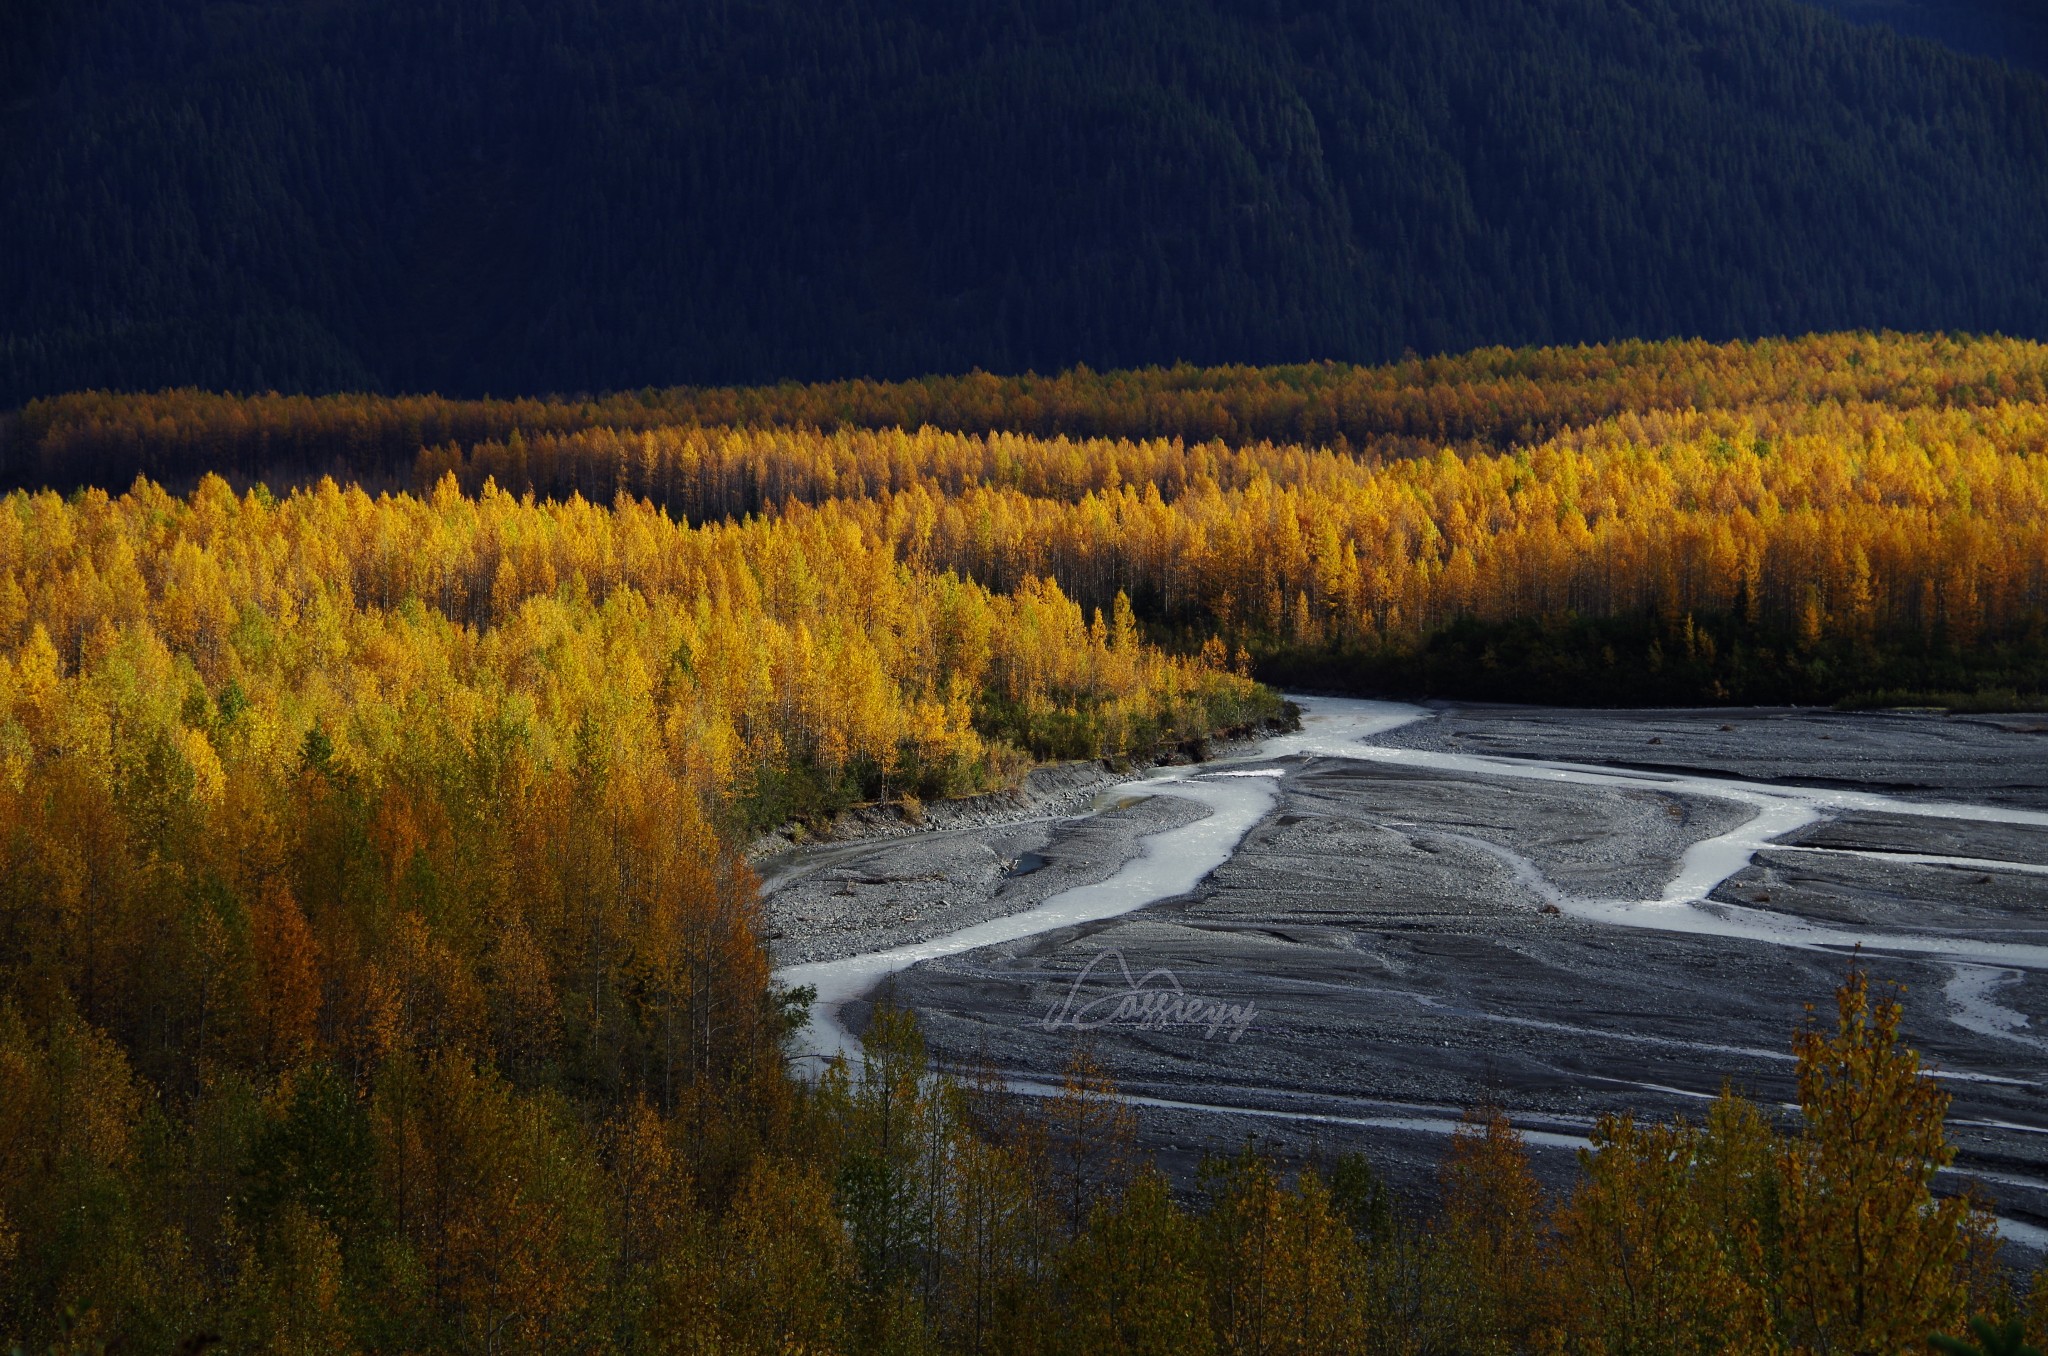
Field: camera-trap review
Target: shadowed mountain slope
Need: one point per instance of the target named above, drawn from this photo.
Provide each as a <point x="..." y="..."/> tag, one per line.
<point x="474" y="196"/>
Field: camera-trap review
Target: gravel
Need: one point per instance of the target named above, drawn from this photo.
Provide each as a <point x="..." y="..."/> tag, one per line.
<point x="1401" y="970"/>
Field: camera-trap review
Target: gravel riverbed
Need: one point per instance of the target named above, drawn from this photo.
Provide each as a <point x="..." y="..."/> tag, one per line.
<point x="1472" y="916"/>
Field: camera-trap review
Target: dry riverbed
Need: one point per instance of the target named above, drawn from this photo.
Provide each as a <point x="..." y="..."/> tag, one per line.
<point x="1471" y="909"/>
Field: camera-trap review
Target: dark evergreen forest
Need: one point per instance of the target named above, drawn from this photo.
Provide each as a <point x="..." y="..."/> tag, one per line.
<point x="2015" y="31"/>
<point x="503" y="196"/>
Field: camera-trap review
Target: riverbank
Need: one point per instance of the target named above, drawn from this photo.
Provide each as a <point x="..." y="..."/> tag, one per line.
<point x="881" y="876"/>
<point x="1049" y="791"/>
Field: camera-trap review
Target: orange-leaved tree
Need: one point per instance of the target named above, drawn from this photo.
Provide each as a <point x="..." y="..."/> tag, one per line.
<point x="1873" y="1259"/>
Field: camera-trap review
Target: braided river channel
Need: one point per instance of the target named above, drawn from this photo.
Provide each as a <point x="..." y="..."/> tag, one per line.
<point x="1343" y="937"/>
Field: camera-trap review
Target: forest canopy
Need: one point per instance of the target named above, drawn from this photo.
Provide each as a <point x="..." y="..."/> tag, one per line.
<point x="1834" y="518"/>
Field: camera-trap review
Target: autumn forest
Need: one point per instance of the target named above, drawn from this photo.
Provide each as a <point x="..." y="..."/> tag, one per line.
<point x="381" y="968"/>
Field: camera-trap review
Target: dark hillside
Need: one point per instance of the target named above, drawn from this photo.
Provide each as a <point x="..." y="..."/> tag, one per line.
<point x="485" y="195"/>
<point x="2007" y="30"/>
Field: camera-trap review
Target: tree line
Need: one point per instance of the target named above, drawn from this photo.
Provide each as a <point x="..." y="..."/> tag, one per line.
<point x="1844" y="518"/>
<point x="1486" y="400"/>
